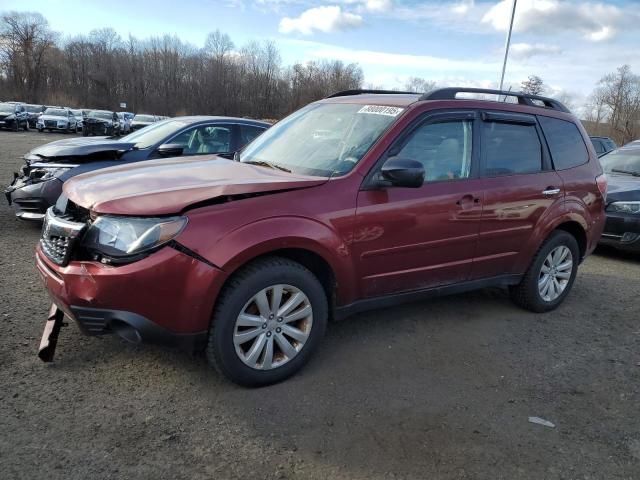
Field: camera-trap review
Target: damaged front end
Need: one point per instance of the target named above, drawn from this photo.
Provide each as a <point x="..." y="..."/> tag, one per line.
<point x="38" y="184"/>
<point x="35" y="188"/>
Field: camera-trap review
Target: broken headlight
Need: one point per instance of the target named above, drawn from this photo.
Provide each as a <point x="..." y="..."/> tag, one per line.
<point x="117" y="238"/>
<point x="44" y="174"/>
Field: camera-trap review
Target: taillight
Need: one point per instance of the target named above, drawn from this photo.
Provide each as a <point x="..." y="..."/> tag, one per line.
<point x="602" y="182"/>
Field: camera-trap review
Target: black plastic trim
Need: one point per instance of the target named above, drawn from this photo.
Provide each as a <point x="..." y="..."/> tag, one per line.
<point x="347" y="93"/>
<point x="187" y="251"/>
<point x="392" y="300"/>
<point x="99" y="321"/>
<point x="523" y="98"/>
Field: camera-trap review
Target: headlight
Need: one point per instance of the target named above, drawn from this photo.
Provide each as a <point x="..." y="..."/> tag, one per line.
<point x="44" y="174"/>
<point x="126" y="236"/>
<point x="10" y="117"/>
<point x="624" y="207"/>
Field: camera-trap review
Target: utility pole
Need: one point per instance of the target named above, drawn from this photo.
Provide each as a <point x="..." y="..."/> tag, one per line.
<point x="506" y="47"/>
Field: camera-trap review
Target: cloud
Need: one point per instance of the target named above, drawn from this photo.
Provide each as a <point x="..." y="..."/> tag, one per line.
<point x="594" y="21"/>
<point x="378" y="5"/>
<point x="523" y="51"/>
<point x="463" y="7"/>
<point x="323" y="19"/>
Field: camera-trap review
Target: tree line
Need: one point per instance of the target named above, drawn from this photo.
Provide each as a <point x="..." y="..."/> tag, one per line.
<point x="160" y="75"/>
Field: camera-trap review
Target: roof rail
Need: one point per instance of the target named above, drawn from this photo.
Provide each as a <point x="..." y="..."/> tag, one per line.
<point x="523" y="98"/>
<point x="346" y="93"/>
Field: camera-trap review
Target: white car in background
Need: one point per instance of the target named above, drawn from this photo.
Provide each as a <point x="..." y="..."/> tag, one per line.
<point x="78" y="114"/>
<point x="57" y="118"/>
<point x="125" y="121"/>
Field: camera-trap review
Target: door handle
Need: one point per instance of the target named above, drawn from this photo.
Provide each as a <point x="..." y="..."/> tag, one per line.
<point x="551" y="191"/>
<point x="467" y="199"/>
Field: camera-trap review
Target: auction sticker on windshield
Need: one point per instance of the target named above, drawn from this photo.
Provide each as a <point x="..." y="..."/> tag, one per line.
<point x="381" y="110"/>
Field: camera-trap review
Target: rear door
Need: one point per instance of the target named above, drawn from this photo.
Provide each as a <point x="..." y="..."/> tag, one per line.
<point x="520" y="188"/>
<point x="418" y="238"/>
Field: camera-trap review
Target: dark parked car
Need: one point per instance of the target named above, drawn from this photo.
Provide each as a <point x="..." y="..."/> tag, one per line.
<point x="101" y="122"/>
<point x="34" y="111"/>
<point x="140" y="121"/>
<point x="603" y="144"/>
<point x="14" y="116"/>
<point x="39" y="183"/>
<point x="622" y="229"/>
<point x="355" y="202"/>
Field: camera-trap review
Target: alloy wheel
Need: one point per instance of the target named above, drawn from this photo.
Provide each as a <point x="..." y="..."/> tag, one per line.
<point x="273" y="327"/>
<point x="555" y="273"/>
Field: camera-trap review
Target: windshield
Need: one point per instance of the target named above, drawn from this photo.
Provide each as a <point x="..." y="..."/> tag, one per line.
<point x="323" y="139"/>
<point x="56" y="112"/>
<point x="144" y="118"/>
<point x="77" y="113"/>
<point x="33" y="108"/>
<point x="7" y="108"/>
<point x="155" y="133"/>
<point x="104" y="115"/>
<point x="621" y="159"/>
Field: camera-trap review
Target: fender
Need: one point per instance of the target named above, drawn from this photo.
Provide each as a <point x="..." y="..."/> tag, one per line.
<point x="576" y="213"/>
<point x="233" y="249"/>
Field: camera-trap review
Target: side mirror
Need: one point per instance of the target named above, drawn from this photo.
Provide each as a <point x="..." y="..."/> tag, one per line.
<point x="403" y="172"/>
<point x="171" y="150"/>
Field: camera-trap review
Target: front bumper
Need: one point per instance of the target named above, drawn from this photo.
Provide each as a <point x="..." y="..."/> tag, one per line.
<point x="622" y="231"/>
<point x="40" y="126"/>
<point x="31" y="200"/>
<point x="10" y="124"/>
<point x="166" y="298"/>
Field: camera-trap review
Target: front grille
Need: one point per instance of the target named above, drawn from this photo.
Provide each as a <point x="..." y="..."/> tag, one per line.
<point x="59" y="235"/>
<point x="50" y="123"/>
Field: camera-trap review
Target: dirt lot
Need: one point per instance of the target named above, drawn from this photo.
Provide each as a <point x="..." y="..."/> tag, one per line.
<point x="440" y="389"/>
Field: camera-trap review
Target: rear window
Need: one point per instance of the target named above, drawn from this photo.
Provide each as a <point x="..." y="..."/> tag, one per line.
<point x="565" y="141"/>
<point x="510" y="149"/>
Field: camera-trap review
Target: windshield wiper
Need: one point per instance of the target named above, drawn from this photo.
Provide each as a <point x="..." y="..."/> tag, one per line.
<point x="627" y="172"/>
<point x="262" y="163"/>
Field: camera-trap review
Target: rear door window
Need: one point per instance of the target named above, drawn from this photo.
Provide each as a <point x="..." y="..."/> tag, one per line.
<point x="597" y="144"/>
<point x="565" y="142"/>
<point x="510" y="148"/>
<point x="248" y="133"/>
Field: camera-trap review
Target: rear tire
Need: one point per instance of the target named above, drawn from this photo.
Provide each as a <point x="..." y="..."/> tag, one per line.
<point x="530" y="293"/>
<point x="231" y="357"/>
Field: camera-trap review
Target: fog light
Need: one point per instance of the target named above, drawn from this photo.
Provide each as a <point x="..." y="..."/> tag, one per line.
<point x="629" y="237"/>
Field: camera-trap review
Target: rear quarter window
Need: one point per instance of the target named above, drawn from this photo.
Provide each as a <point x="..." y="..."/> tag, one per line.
<point x="565" y="142"/>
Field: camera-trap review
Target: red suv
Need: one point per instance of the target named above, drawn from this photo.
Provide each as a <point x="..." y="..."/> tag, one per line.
<point x="362" y="200"/>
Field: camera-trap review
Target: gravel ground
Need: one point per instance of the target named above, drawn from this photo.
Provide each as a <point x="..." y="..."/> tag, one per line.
<point x="439" y="389"/>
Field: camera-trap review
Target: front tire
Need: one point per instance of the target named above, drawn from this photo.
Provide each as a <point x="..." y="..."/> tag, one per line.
<point x="268" y="320"/>
<point x="551" y="274"/>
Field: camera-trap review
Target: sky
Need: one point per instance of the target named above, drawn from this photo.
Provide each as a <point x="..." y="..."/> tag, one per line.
<point x="570" y="44"/>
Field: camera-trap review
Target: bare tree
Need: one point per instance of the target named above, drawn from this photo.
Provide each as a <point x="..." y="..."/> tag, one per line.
<point x="419" y="85"/>
<point x="25" y="39"/>
<point x="160" y="74"/>
<point x="533" y="85"/>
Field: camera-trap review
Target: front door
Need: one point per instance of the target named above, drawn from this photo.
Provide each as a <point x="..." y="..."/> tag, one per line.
<point x="417" y="238"/>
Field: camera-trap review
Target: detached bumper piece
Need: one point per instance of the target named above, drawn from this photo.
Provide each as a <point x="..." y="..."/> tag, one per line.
<point x="50" y="334"/>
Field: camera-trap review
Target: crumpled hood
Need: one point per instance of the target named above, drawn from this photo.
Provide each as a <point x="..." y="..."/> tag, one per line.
<point x="97" y="120"/>
<point x="76" y="147"/>
<point x="622" y="188"/>
<point x="169" y="186"/>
